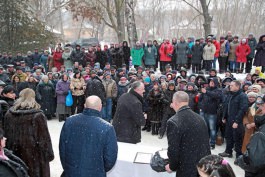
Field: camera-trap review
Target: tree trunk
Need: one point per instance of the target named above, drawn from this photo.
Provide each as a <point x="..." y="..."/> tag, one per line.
<point x="131" y="26"/>
<point x="207" y="18"/>
<point x="119" y="7"/>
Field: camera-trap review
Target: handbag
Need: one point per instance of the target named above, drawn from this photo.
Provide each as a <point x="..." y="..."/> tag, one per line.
<point x="158" y="163"/>
<point x="69" y="99"/>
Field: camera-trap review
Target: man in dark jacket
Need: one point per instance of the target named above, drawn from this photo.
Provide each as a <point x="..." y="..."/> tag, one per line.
<point x="129" y="116"/>
<point x="188" y="139"/>
<point x="209" y="101"/>
<point x="234" y="111"/>
<point x="3" y="76"/>
<point x="77" y="55"/>
<point x="196" y="59"/>
<point x="95" y="87"/>
<point x="88" y="144"/>
<point x="252" y="42"/>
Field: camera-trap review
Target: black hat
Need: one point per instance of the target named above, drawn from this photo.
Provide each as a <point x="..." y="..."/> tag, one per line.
<point x="171" y="83"/>
<point x="197" y="40"/>
<point x="174" y="71"/>
<point x="77" y="45"/>
<point x="168" y="66"/>
<point x="260" y="80"/>
<point x="93" y="72"/>
<point x="8" y="89"/>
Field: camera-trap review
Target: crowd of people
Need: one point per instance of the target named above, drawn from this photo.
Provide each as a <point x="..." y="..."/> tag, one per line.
<point x="150" y="74"/>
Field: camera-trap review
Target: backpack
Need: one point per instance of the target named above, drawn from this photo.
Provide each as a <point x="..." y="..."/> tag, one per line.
<point x="256" y="150"/>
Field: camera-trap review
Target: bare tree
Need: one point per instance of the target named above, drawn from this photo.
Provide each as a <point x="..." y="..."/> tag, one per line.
<point x="131" y="26"/>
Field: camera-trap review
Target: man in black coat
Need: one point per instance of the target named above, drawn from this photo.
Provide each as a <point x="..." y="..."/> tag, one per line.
<point x="209" y="100"/>
<point x="95" y="87"/>
<point x="129" y="116"/>
<point x="235" y="109"/>
<point x="188" y="139"/>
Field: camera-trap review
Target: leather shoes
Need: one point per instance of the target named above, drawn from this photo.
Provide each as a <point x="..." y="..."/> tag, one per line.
<point x="224" y="154"/>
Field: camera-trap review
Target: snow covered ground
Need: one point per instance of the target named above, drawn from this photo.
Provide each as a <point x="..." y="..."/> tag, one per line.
<point x="147" y="140"/>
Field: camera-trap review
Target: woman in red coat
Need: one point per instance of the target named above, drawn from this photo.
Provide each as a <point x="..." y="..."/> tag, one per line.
<point x="242" y="52"/>
<point x="165" y="53"/>
<point x="57" y="59"/>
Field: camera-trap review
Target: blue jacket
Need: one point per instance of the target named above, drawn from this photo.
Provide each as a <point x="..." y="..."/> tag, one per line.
<point x="88" y="145"/>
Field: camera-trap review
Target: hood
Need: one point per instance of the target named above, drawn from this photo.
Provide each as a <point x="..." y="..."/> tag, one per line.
<point x="124" y="84"/>
<point x="259" y="120"/>
<point x="24" y="111"/>
<point x="260" y="38"/>
<point x="215" y="80"/>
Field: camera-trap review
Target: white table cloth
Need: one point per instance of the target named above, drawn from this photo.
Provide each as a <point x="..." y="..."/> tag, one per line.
<point x="125" y="166"/>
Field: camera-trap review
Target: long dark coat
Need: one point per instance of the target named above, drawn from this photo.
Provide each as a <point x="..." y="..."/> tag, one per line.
<point x="197" y="52"/>
<point x="126" y="54"/>
<point x="29" y="139"/>
<point x="45" y="94"/>
<point x="129" y="118"/>
<point x="260" y="54"/>
<point x="188" y="142"/>
<point x="117" y="57"/>
<point x="155" y="101"/>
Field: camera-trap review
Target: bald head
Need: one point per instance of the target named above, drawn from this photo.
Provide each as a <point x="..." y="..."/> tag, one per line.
<point x="93" y="102"/>
<point x="180" y="99"/>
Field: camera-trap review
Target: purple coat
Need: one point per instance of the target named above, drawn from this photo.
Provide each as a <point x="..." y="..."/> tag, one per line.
<point x="61" y="88"/>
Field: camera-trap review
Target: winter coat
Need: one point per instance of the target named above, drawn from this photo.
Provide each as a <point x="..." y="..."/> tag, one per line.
<point x="36" y="57"/>
<point x="137" y="56"/>
<point x="126" y="54"/>
<point x="117" y="57"/>
<point x="217" y="47"/>
<point x="3" y="61"/>
<point x="260" y="54"/>
<point x="77" y="56"/>
<point x="150" y="55"/>
<point x="94" y="152"/>
<point x="122" y="88"/>
<point x="95" y="87"/>
<point x="50" y="62"/>
<point x="77" y="86"/>
<point x="232" y="51"/>
<point x="146" y="106"/>
<point x="155" y="100"/>
<point x="62" y="88"/>
<point x="44" y="60"/>
<point x="224" y="49"/>
<point x="188" y="142"/>
<point x="197" y="52"/>
<point x="167" y="101"/>
<point x="242" y="52"/>
<point x="29" y="61"/>
<point x="67" y="62"/>
<point x="248" y="119"/>
<point x="166" y="51"/>
<point x="182" y="49"/>
<point x="57" y="60"/>
<point x="31" y="141"/>
<point x="208" y="52"/>
<point x="90" y="57"/>
<point x="13" y="167"/>
<point x="193" y="103"/>
<point x="45" y="94"/>
<point x="31" y="85"/>
<point x="236" y="107"/>
<point x="110" y="88"/>
<point x="129" y="118"/>
<point x="101" y="57"/>
<point x="252" y="43"/>
<point x="210" y="100"/>
<point x="4" y="77"/>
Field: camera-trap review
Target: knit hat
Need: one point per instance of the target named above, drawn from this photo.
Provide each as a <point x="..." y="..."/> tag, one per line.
<point x="147" y="79"/>
<point x="171" y="83"/>
<point x="252" y="94"/>
<point x="257" y="87"/>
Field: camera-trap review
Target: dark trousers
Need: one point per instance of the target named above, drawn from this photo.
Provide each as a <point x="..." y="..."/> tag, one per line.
<point x="240" y="67"/>
<point x="78" y="102"/>
<point x="234" y="138"/>
<point x="163" y="65"/>
<point x="189" y="63"/>
<point x="163" y="127"/>
<point x="208" y="65"/>
<point x="222" y="64"/>
<point x="196" y="68"/>
<point x="249" y="64"/>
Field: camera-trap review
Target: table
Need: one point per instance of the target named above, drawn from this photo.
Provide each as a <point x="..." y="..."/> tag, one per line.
<point x="125" y="166"/>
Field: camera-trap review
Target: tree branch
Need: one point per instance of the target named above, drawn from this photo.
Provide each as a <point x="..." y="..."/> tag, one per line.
<point x="195" y="8"/>
<point x="208" y="3"/>
<point x="55" y="9"/>
<point x="191" y="21"/>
